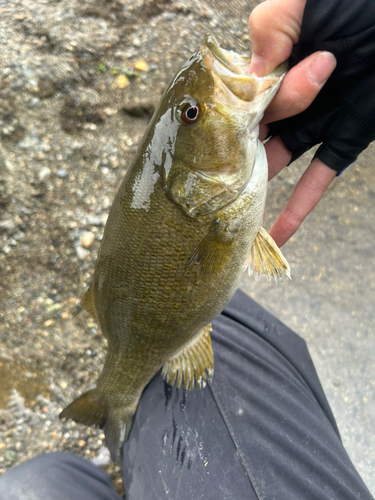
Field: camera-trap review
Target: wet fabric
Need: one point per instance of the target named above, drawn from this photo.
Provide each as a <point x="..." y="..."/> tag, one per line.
<point x="262" y="429"/>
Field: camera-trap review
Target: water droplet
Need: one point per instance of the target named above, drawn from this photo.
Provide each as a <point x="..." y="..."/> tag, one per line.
<point x="174" y="431"/>
<point x="167" y="393"/>
<point x="182" y="458"/>
<point x="165" y="438"/>
<point x="183" y="402"/>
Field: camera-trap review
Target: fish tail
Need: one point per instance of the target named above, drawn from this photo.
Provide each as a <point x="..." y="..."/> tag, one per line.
<point x="116" y="432"/>
<point x="90" y="409"/>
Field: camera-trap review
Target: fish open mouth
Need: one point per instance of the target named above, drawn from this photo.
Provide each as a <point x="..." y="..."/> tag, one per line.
<point x="234" y="86"/>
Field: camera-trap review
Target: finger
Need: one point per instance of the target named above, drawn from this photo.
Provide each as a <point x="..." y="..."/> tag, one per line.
<point x="306" y="195"/>
<point x="275" y="27"/>
<point x="278" y="156"/>
<point x="300" y="86"/>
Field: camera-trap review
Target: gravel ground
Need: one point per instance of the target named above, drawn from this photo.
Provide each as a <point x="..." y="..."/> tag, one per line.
<point x="79" y="80"/>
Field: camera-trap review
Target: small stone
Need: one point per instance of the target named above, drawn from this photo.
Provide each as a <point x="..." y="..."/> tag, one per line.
<point x="87" y="239"/>
<point x="19" y="236"/>
<point x="9" y="165"/>
<point x="128" y="140"/>
<point x="11" y="455"/>
<point x="122" y="81"/>
<point x="103" y="457"/>
<point x="54" y="308"/>
<point x="81" y="252"/>
<point x="106" y="203"/>
<point x="141" y="65"/>
<point x="49" y="322"/>
<point x="62" y="173"/>
<point x="7" y="225"/>
<point x="137" y="42"/>
<point x="34" y="102"/>
<point x="110" y="111"/>
<point x="103" y="219"/>
<point x="95" y="221"/>
<point x="89" y="126"/>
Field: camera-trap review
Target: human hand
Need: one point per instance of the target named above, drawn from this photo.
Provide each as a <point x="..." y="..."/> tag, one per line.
<point x="276" y="27"/>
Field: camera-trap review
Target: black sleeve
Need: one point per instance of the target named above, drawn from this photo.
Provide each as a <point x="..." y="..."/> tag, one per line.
<point x="342" y="117"/>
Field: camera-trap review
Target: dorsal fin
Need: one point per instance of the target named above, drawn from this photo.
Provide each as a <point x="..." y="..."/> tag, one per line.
<point x="266" y="258"/>
<point x="194" y="364"/>
<point x="88" y="303"/>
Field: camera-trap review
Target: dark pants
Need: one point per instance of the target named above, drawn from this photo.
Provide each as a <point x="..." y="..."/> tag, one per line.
<point x="262" y="430"/>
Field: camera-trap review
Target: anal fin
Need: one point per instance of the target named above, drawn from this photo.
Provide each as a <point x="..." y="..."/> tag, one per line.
<point x="265" y="258"/>
<point x="194" y="364"/>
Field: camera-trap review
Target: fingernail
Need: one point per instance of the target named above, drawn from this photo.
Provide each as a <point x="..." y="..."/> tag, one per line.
<point x="257" y="65"/>
<point x="322" y="68"/>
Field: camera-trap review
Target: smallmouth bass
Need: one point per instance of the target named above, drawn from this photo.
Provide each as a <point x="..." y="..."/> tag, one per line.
<point x="184" y="225"/>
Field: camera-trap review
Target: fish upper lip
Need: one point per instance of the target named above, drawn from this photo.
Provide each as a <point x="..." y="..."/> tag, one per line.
<point x="212" y="44"/>
<point x="235" y="88"/>
<point x="229" y="64"/>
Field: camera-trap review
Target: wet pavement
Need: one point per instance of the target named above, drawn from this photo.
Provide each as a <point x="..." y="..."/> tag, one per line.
<point x="330" y="299"/>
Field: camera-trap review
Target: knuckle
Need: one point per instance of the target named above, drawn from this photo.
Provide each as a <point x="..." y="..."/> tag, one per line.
<point x="292" y="219"/>
<point x="312" y="183"/>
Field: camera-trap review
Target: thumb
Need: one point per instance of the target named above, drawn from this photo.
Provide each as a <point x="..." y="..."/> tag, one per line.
<point x="275" y="27"/>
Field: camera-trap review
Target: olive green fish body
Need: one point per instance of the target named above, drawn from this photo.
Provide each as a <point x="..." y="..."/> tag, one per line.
<point x="178" y="237"/>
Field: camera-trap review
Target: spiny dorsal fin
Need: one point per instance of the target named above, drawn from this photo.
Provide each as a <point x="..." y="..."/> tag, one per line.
<point x="88" y="304"/>
<point x="266" y="258"/>
<point x="195" y="363"/>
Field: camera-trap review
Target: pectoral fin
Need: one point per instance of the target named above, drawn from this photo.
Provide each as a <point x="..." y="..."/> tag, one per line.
<point x="194" y="364"/>
<point x="213" y="252"/>
<point x="87" y="302"/>
<point x="266" y="258"/>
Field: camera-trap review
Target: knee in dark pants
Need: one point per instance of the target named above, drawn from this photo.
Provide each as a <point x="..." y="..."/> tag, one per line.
<point x="57" y="476"/>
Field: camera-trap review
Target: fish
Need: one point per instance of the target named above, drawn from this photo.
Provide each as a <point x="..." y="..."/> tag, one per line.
<point x="184" y="225"/>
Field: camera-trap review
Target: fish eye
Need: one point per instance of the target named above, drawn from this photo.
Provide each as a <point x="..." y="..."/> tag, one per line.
<point x="189" y="111"/>
<point x="190" y="114"/>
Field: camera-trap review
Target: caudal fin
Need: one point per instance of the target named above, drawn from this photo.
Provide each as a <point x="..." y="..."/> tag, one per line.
<point x="89" y="409"/>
